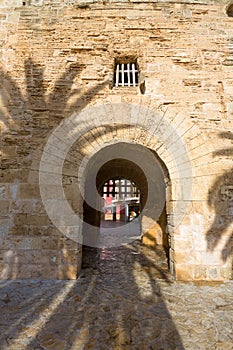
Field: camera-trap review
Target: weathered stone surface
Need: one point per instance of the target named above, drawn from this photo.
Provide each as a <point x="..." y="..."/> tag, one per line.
<point x="57" y="61"/>
<point x="123" y="306"/>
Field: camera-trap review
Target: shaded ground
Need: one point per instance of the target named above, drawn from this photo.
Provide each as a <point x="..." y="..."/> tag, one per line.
<point x="126" y="300"/>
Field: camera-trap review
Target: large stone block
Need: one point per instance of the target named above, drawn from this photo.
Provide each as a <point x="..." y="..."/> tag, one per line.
<point x="67" y="271"/>
<point x="28" y="191"/>
<point x="184" y="272"/>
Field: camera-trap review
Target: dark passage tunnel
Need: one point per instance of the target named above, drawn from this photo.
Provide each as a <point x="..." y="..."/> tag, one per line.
<point x="114" y="169"/>
<point x="140" y="167"/>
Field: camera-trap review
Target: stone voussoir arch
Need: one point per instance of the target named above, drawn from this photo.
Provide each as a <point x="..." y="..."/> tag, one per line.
<point x="95" y="128"/>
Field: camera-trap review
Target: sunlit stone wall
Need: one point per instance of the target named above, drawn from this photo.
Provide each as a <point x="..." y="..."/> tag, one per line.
<point x="57" y="61"/>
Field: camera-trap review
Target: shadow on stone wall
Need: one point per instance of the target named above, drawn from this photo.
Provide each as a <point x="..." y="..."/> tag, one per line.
<point x="41" y="104"/>
<point x="30" y="108"/>
<point x="221" y="200"/>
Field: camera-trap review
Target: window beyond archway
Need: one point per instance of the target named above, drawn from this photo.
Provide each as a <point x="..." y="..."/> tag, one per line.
<point x="121" y="200"/>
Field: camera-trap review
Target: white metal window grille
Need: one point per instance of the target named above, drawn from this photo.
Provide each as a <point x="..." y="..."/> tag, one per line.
<point x="121" y="189"/>
<point x="126" y="74"/>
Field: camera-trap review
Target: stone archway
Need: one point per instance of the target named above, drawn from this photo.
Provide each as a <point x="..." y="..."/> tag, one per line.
<point x="92" y="131"/>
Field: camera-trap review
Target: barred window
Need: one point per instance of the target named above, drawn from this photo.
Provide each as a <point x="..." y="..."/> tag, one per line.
<point x="126" y="74"/>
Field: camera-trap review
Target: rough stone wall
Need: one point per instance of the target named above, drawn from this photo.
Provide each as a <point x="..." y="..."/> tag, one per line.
<point x="57" y="61"/>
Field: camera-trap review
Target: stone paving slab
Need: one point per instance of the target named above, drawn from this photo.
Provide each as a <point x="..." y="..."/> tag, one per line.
<point x="126" y="307"/>
<point x="115" y="312"/>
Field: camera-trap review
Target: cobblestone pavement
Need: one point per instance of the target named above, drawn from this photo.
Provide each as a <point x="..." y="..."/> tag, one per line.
<point x="126" y="300"/>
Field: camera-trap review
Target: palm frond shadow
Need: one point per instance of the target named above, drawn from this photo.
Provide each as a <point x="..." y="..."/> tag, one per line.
<point x="220" y="198"/>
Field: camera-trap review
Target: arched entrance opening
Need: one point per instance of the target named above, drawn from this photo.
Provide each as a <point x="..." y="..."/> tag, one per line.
<point x="94" y="137"/>
<point x="110" y="174"/>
